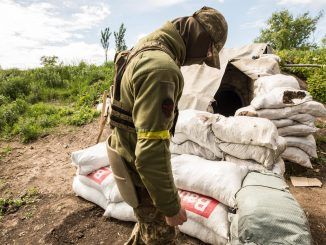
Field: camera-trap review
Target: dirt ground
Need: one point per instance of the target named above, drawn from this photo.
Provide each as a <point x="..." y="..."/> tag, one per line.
<point x="57" y="216"/>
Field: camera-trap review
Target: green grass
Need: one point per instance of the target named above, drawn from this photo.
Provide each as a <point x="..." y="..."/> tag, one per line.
<point x="33" y="102"/>
<point x="11" y="205"/>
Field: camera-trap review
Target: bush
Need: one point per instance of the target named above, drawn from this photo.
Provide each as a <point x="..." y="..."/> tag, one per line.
<point x="315" y="77"/>
<point x="33" y="101"/>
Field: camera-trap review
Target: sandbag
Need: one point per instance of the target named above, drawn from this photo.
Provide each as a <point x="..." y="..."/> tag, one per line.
<point x="296" y="130"/>
<point x="266" y="84"/>
<point x="296" y="155"/>
<point x="280" y="97"/>
<point x="89" y="193"/>
<point x="277" y="168"/>
<point x="219" y="180"/>
<point x="121" y="211"/>
<point x="90" y="159"/>
<point x="193" y="148"/>
<point x="206" y="211"/>
<point x="200" y="232"/>
<point x="313" y="108"/>
<point x="103" y="181"/>
<point x="307" y="144"/>
<point x="196" y="126"/>
<point x="279" y="123"/>
<point x="261" y="155"/>
<point x="246" y="130"/>
<point x="306" y="119"/>
<point x="267" y="213"/>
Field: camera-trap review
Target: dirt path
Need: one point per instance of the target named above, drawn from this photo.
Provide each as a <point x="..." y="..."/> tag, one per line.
<point x="57" y="216"/>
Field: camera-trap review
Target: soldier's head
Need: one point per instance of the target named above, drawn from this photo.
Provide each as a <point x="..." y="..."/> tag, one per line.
<point x="204" y="34"/>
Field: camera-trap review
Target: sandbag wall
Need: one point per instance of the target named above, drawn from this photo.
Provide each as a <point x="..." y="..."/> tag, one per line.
<point x="279" y="98"/>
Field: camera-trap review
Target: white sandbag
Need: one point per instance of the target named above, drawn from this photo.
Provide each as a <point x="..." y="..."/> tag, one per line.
<point x="266" y="84"/>
<point x="313" y="108"/>
<point x="296" y="155"/>
<point x="90" y="159"/>
<point x="246" y="130"/>
<point x="280" y="97"/>
<point x="88" y="193"/>
<point x="279" y="123"/>
<point x="306" y="119"/>
<point x="307" y="144"/>
<point x="277" y="168"/>
<point x="196" y="126"/>
<point x="120" y="211"/>
<point x="297" y="130"/>
<point x="261" y="155"/>
<point x="200" y="232"/>
<point x="192" y="148"/>
<point x="103" y="181"/>
<point x="206" y="211"/>
<point x="219" y="180"/>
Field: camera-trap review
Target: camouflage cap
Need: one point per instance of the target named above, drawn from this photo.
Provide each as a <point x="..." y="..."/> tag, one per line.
<point x="217" y="27"/>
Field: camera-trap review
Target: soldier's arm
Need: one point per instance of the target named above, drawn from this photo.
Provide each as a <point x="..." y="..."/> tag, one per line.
<point x="155" y="98"/>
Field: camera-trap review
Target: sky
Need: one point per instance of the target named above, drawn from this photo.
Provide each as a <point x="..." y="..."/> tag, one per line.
<point x="70" y="29"/>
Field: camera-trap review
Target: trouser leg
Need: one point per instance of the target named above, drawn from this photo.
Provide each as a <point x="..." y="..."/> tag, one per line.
<point x="151" y="228"/>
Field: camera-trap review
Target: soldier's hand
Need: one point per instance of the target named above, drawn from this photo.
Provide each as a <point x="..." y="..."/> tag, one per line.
<point x="177" y="219"/>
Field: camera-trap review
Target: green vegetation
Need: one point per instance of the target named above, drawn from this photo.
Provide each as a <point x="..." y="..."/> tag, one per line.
<point x="283" y="31"/>
<point x="120" y="43"/>
<point x="34" y="101"/>
<point x="315" y="77"/>
<point x="11" y="205"/>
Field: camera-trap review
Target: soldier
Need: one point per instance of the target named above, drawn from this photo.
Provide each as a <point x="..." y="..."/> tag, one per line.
<point x="143" y="114"/>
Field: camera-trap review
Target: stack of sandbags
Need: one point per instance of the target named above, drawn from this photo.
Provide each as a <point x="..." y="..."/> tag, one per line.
<point x="293" y="112"/>
<point x="200" y="182"/>
<point x="267" y="213"/>
<point x="252" y="142"/>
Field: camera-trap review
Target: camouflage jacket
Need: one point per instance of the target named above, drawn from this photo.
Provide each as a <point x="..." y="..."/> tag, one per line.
<point x="150" y="90"/>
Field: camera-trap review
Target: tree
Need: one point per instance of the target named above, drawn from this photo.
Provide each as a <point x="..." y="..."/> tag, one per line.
<point x="49" y="60"/>
<point x="105" y="41"/>
<point x="283" y="31"/>
<point x="323" y="42"/>
<point x="120" y="43"/>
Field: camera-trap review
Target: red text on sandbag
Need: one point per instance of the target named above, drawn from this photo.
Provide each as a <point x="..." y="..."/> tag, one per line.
<point x="198" y="204"/>
<point x="99" y="175"/>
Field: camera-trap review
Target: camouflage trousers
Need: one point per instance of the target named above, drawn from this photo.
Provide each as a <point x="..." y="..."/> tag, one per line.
<point x="151" y="228"/>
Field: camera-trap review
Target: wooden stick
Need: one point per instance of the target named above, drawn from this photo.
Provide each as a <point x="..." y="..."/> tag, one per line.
<point x="103" y="116"/>
<point x="303" y="65"/>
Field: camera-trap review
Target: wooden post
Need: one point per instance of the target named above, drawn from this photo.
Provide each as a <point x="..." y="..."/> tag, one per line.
<point x="104" y="116"/>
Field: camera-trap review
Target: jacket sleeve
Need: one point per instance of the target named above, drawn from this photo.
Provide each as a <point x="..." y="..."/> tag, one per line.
<point x="155" y="97"/>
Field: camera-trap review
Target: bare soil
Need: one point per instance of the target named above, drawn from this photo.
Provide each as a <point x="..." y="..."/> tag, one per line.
<point x="59" y="217"/>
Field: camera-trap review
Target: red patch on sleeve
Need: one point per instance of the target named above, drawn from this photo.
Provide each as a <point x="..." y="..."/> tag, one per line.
<point x="168" y="107"/>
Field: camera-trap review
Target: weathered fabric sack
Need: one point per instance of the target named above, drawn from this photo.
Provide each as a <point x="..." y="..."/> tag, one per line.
<point x="90" y="159"/>
<point x="219" y="180"/>
<point x="307" y="144"/>
<point x="297" y="130"/>
<point x="103" y="181"/>
<point x="121" y="211"/>
<point x="266" y="84"/>
<point x="280" y="97"/>
<point x="89" y="193"/>
<point x="296" y="155"/>
<point x="193" y="148"/>
<point x="267" y="213"/>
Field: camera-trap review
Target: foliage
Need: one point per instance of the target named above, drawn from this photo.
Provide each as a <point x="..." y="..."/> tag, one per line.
<point x="33" y="102"/>
<point x="323" y="42"/>
<point x="105" y="41"/>
<point x="11" y="205"/>
<point x="316" y="77"/>
<point x="120" y="43"/>
<point x="49" y="60"/>
<point x="287" y="32"/>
